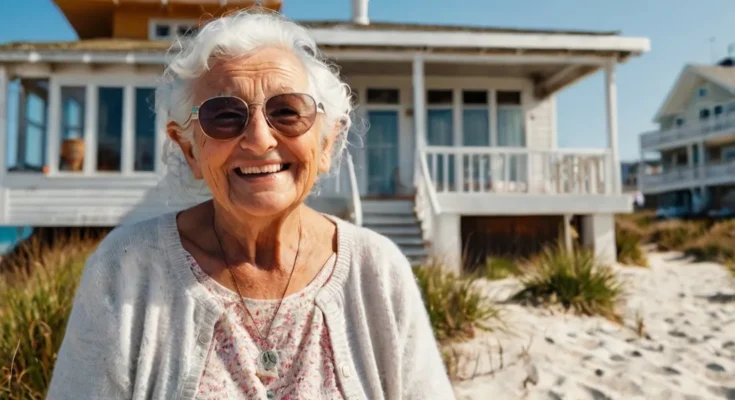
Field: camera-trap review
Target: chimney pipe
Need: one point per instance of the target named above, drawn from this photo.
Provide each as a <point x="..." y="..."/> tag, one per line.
<point x="360" y="12"/>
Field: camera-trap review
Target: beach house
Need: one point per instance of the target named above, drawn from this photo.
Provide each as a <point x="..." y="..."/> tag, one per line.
<point x="695" y="143"/>
<point x="460" y="160"/>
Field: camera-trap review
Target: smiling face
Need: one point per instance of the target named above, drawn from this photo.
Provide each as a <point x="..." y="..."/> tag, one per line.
<point x="261" y="173"/>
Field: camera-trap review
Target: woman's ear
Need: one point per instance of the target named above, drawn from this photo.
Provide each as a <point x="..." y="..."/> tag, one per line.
<point x="173" y="130"/>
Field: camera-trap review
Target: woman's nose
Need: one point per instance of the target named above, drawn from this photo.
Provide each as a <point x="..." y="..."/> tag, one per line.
<point x="258" y="137"/>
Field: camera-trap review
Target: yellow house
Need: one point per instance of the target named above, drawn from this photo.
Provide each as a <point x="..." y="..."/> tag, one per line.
<point x="462" y="149"/>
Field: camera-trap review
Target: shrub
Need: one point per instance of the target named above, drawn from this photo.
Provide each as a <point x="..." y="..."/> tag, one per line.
<point x="628" y="239"/>
<point x="718" y="244"/>
<point x="500" y="268"/>
<point x="37" y="299"/>
<point x="673" y="235"/>
<point x="572" y="279"/>
<point x="457" y="308"/>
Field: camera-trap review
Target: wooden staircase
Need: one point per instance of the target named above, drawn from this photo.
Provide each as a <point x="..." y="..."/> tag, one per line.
<point x="396" y="219"/>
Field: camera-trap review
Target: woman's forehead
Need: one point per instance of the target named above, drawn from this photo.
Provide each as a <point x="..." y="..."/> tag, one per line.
<point x="266" y="70"/>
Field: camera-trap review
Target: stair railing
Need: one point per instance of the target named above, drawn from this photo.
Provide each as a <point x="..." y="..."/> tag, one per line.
<point x="356" y="202"/>
<point x="427" y="202"/>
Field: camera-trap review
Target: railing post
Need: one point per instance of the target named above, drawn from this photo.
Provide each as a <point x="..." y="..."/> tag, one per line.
<point x="612" y="123"/>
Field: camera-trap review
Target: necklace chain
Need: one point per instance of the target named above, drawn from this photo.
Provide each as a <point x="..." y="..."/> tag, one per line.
<point x="237" y="286"/>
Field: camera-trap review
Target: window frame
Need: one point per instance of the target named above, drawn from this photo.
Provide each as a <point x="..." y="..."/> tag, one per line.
<point x="129" y="84"/>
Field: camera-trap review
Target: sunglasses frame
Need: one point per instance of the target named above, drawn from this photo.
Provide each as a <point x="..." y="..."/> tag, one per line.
<point x="194" y="116"/>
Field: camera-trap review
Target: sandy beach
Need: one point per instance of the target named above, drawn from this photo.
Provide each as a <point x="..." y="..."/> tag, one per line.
<point x="686" y="349"/>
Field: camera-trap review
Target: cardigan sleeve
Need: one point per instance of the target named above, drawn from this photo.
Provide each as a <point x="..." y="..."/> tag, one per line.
<point x="424" y="374"/>
<point x="90" y="363"/>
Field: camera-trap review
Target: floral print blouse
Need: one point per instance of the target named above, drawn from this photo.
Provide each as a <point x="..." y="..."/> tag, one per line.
<point x="299" y="334"/>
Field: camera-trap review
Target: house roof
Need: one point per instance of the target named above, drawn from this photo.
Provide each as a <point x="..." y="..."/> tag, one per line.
<point x="687" y="81"/>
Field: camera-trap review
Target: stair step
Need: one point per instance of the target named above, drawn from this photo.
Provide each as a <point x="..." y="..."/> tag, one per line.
<point x="396" y="230"/>
<point x="387" y="206"/>
<point x="414" y="251"/>
<point x="389" y="220"/>
<point x="407" y="240"/>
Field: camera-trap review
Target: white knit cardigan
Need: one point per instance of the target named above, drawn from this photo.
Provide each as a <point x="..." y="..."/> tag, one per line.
<point x="142" y="325"/>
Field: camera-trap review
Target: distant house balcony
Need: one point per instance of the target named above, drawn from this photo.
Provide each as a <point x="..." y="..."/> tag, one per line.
<point x="713" y="173"/>
<point x="719" y="127"/>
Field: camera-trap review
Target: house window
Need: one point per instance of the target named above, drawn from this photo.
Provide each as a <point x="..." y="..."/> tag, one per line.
<point x="679" y="122"/>
<point x="475" y="118"/>
<point x="171" y="29"/>
<point x="73" y="110"/>
<point x="440" y="131"/>
<point x="510" y="119"/>
<point x="26" y="145"/>
<point x="728" y="153"/>
<point x="718" y="110"/>
<point x="109" y="128"/>
<point x="702" y="92"/>
<point x="439" y="97"/>
<point x="382" y="96"/>
<point x="145" y="129"/>
<point x="704" y="113"/>
<point x="163" y="31"/>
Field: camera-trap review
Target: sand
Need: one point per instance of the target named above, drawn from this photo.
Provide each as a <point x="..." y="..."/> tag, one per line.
<point x="687" y="350"/>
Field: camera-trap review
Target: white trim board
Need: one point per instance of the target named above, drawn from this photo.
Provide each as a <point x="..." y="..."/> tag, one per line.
<point x="541" y="41"/>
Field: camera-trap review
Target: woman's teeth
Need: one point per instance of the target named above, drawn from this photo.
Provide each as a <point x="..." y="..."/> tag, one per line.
<point x="263" y="169"/>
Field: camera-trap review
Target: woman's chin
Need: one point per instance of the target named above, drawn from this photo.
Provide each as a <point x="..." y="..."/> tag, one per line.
<point x="263" y="204"/>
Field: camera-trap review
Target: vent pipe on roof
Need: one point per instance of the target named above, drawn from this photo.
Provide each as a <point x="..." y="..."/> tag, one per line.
<point x="360" y="12"/>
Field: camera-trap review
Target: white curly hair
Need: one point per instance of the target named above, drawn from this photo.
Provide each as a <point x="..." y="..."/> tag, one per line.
<point x="232" y="36"/>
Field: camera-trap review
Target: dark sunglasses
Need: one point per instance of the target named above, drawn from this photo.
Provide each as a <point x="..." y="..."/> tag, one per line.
<point x="227" y="117"/>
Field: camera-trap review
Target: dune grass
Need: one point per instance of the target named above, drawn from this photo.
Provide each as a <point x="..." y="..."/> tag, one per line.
<point x="628" y="239"/>
<point x="37" y="291"/>
<point x="499" y="268"/>
<point x="573" y="280"/>
<point x="457" y="308"/>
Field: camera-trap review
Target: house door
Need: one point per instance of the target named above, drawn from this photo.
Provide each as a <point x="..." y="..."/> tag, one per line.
<point x="381" y="147"/>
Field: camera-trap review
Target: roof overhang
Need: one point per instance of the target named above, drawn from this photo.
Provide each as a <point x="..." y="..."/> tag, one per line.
<point x="551" y="60"/>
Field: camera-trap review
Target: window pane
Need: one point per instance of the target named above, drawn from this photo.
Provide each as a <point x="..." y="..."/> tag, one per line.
<point x="508" y="98"/>
<point x="476" y="128"/>
<point x="73" y="106"/>
<point x="162" y="31"/>
<point x="109" y="129"/>
<point x="474" y="97"/>
<point x="510" y="127"/>
<point x="382" y="96"/>
<point x="439" y="133"/>
<point x="704" y="113"/>
<point x="439" y="97"/>
<point x="145" y="129"/>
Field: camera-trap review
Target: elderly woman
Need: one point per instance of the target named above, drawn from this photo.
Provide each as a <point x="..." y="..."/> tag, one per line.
<point x="252" y="294"/>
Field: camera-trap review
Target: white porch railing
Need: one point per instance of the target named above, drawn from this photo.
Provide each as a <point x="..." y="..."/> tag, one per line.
<point x="356" y="209"/>
<point x="342" y="190"/>
<point x="713" y="173"/>
<point x="519" y="170"/>
<point x="712" y="126"/>
<point x="427" y="204"/>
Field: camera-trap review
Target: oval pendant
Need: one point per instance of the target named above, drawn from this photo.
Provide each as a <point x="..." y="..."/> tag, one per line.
<point x="269" y="359"/>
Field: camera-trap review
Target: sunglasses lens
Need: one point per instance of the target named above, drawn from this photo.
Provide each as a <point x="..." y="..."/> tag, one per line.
<point x="223" y="118"/>
<point x="291" y="114"/>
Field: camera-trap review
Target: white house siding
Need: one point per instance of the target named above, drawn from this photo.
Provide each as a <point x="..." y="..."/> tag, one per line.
<point x="73" y="205"/>
<point x="716" y="95"/>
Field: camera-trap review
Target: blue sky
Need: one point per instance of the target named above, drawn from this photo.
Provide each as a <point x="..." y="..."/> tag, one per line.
<point x="680" y="33"/>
